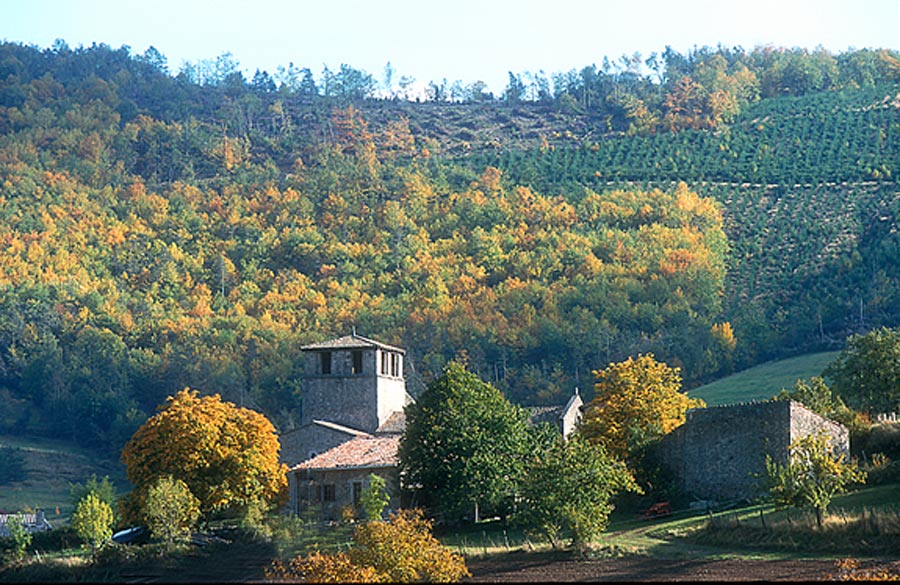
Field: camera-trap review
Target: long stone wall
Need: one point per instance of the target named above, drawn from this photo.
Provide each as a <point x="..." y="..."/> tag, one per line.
<point x="719" y="453"/>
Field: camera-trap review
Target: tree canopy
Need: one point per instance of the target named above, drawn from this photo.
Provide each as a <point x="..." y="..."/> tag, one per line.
<point x="171" y="229"/>
<point x="227" y="456"/>
<point x="813" y="474"/>
<point x="866" y="374"/>
<point x="636" y="402"/>
<point x="464" y="447"/>
<point x="568" y="489"/>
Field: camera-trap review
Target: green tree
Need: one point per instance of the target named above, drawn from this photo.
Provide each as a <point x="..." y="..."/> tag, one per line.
<point x="569" y="489"/>
<point x="19" y="535"/>
<point x="93" y="521"/>
<point x="104" y="489"/>
<point x="464" y="446"/>
<point x="171" y="510"/>
<point x="375" y="497"/>
<point x="866" y="374"/>
<point x="815" y="395"/>
<point x="812" y="476"/>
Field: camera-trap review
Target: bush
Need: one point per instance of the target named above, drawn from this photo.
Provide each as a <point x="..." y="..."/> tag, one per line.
<point x="401" y="549"/>
<point x="881" y="438"/>
<point x="93" y="521"/>
<point x="19" y="536"/>
<point x="171" y="510"/>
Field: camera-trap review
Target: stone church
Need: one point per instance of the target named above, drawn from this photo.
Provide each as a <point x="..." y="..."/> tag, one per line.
<point x="353" y="398"/>
<point x="354" y="392"/>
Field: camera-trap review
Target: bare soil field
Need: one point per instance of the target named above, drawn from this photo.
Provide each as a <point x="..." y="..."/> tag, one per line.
<point x="526" y="567"/>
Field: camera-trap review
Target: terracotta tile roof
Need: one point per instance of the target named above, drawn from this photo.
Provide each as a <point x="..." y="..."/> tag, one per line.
<point x="351" y="342"/>
<point x="396" y="423"/>
<point x="358" y="453"/>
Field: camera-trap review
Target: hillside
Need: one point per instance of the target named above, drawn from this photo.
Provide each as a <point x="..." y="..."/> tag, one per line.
<point x="50" y="468"/>
<point x="162" y="232"/>
<point x="763" y="381"/>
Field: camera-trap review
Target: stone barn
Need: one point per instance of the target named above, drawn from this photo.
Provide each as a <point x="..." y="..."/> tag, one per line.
<point x="719" y="452"/>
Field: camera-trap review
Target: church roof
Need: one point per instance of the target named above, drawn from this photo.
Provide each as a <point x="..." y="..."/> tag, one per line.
<point x="539" y="414"/>
<point x="362" y="452"/>
<point x="351" y="342"/>
<point x="396" y="423"/>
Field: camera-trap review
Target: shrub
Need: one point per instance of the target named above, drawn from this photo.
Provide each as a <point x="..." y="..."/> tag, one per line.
<point x="401" y="549"/>
<point x="374" y="498"/>
<point x="318" y="567"/>
<point x="19" y="536"/>
<point x="93" y="521"/>
<point x="171" y="510"/>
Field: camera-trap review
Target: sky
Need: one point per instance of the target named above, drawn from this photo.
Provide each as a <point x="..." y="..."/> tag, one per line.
<point x="466" y="40"/>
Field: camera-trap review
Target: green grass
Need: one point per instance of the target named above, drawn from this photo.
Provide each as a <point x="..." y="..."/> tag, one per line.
<point x="51" y="467"/>
<point x="764" y="381"/>
<point x="680" y="535"/>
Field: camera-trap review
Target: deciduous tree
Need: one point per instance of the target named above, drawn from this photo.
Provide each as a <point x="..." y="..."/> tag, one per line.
<point x="569" y="488"/>
<point x="812" y="476"/>
<point x="374" y="498"/>
<point x="226" y="455"/>
<point x="636" y="402"/>
<point x="866" y="374"/>
<point x="170" y="510"/>
<point x="93" y="520"/>
<point x="465" y="445"/>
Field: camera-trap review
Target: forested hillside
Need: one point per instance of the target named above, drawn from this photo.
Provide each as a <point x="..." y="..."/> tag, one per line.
<point x="166" y="231"/>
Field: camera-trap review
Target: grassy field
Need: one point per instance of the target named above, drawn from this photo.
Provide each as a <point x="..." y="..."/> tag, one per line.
<point x="51" y="467"/>
<point x="764" y="381"/>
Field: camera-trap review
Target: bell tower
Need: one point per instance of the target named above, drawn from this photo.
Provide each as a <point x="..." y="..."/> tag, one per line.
<point x="353" y="381"/>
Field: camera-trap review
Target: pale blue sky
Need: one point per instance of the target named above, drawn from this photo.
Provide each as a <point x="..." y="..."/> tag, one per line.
<point x="467" y="40"/>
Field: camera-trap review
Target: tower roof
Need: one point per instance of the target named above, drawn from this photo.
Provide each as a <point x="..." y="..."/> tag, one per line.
<point x="351" y="342"/>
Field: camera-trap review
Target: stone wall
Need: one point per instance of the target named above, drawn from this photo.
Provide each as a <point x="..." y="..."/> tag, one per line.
<point x="307" y="487"/>
<point x="719" y="453"/>
<point x="341" y="396"/>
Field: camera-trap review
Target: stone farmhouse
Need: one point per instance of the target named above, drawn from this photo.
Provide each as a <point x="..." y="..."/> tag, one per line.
<point x="354" y="393"/>
<point x="719" y="453"/>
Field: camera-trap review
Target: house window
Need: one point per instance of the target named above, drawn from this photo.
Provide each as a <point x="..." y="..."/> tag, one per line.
<point x="317" y="493"/>
<point x="326" y="362"/>
<point x="384" y="363"/>
<point x="328" y="492"/>
<point x="357" y="361"/>
<point x="357" y="492"/>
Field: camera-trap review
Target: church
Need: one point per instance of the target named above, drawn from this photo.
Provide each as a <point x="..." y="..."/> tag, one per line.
<point x="354" y="393"/>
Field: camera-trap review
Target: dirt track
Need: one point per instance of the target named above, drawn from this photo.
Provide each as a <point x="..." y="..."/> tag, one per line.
<point x="521" y="567"/>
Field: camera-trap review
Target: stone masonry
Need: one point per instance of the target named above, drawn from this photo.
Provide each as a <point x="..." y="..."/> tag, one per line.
<point x="719" y="453"/>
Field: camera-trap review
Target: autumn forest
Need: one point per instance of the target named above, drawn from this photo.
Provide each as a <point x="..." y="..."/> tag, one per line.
<point x="163" y="230"/>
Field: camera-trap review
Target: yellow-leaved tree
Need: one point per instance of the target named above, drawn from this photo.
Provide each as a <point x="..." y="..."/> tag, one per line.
<point x="226" y="455"/>
<point x="636" y="402"/>
<point x="401" y="549"/>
